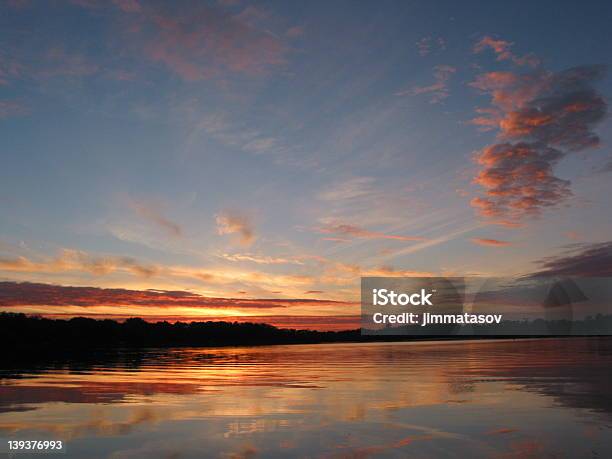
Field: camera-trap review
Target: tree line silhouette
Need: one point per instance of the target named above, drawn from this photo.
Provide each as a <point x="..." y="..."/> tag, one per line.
<point x="20" y="333"/>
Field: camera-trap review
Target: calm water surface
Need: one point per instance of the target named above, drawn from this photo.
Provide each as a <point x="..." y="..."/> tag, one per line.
<point x="503" y="399"/>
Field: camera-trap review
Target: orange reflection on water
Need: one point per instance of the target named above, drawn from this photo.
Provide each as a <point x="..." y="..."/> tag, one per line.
<point x="357" y="400"/>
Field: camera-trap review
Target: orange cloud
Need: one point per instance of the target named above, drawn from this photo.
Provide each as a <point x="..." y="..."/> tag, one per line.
<point x="506" y="223"/>
<point x="229" y="222"/>
<point x="519" y="180"/>
<point x="75" y="260"/>
<point x="490" y="242"/>
<point x="503" y="50"/>
<point x="260" y="259"/>
<point x="541" y="116"/>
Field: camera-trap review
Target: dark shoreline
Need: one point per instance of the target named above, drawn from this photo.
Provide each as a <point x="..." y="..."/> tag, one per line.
<point x="24" y="337"/>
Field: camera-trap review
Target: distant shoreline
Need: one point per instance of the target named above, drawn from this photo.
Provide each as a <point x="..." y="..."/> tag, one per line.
<point x="25" y="335"/>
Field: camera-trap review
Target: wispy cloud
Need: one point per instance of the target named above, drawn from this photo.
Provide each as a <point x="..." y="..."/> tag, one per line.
<point x="152" y="213"/>
<point x="58" y="62"/>
<point x="490" y="242"/>
<point x="351" y="188"/>
<point x="438" y="90"/>
<point x="427" y="45"/>
<point x="295" y="31"/>
<point x="18" y="3"/>
<point x="263" y="260"/>
<point x="351" y="231"/>
<point x="207" y="42"/>
<point x="503" y="50"/>
<point x="234" y="223"/>
<point x="582" y="260"/>
<point x="128" y="6"/>
<point x="338" y="273"/>
<point x="10" y="69"/>
<point x="75" y="260"/>
<point x="10" y="108"/>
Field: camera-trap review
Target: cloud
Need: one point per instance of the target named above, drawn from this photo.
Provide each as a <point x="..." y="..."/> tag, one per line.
<point x="604" y="168"/>
<point x="581" y="260"/>
<point x="232" y="132"/>
<point x="427" y="45"/>
<point x="10" y="69"/>
<point x="503" y="51"/>
<point x="573" y="235"/>
<point x="86" y="3"/>
<point x="352" y="231"/>
<point x="338" y="273"/>
<point x="206" y="42"/>
<point x="9" y="108"/>
<point x="490" y="242"/>
<point x="351" y="188"/>
<point x="150" y="213"/>
<point x="295" y="31"/>
<point x="18" y="3"/>
<point x="506" y="223"/>
<point x="128" y="6"/>
<point x="75" y="260"/>
<point x="235" y="223"/>
<point x="438" y="90"/>
<point x="540" y="117"/>
<point x="15" y="294"/>
<point x="228" y="3"/>
<point x="260" y="260"/>
<point x="519" y="180"/>
<point x="57" y="62"/>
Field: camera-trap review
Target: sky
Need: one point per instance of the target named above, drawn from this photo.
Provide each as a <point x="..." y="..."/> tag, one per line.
<point x="236" y="160"/>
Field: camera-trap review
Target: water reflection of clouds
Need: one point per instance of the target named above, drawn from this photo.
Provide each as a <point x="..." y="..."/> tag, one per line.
<point x="355" y="399"/>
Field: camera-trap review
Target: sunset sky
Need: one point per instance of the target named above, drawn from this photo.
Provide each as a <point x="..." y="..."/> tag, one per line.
<point x="210" y="160"/>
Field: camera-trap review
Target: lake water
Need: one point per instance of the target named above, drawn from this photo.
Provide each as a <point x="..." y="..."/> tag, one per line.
<point x="493" y="399"/>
